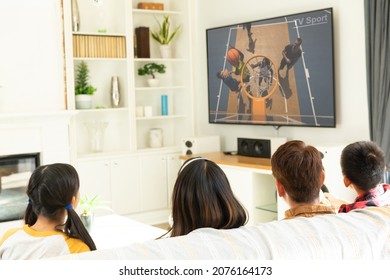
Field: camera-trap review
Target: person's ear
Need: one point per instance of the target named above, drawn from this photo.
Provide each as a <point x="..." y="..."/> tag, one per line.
<point x="280" y="189"/>
<point x="347" y="182"/>
<point x="74" y="202"/>
<point x="322" y="177"/>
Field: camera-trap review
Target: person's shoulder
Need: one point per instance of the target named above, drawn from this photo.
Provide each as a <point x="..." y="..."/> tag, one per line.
<point x="76" y="245"/>
<point x="9" y="233"/>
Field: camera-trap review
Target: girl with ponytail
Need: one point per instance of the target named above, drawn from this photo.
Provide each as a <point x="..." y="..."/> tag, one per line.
<point x="52" y="227"/>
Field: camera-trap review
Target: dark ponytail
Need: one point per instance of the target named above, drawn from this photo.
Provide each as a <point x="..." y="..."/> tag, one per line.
<point x="74" y="227"/>
<point x="50" y="191"/>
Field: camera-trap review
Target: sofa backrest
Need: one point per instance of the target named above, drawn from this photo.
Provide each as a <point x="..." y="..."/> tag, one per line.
<point x="360" y="234"/>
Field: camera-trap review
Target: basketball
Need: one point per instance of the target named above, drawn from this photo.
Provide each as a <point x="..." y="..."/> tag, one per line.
<point x="233" y="56"/>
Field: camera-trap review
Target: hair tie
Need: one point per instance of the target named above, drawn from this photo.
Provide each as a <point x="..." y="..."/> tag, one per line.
<point x="29" y="201"/>
<point x="69" y="206"/>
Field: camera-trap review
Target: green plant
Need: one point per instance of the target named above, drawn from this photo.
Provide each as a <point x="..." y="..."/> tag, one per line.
<point x="89" y="204"/>
<point x="163" y="35"/>
<point x="81" y="81"/>
<point x="151" y="69"/>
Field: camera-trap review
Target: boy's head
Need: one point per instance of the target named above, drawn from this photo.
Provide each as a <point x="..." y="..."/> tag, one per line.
<point x="363" y="164"/>
<point x="298" y="168"/>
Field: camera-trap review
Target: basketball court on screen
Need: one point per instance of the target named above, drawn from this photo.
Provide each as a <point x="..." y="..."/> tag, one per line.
<point x="293" y="100"/>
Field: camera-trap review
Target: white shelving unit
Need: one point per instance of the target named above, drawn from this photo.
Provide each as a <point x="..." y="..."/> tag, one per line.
<point x="176" y="83"/>
<point x="126" y="135"/>
<point x="125" y="132"/>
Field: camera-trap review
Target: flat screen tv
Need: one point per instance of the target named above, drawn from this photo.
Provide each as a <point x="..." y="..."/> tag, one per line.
<point x="277" y="71"/>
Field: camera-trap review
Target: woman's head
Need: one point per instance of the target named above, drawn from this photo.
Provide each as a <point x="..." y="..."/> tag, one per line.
<point x="363" y="163"/>
<point x="202" y="197"/>
<point x="51" y="189"/>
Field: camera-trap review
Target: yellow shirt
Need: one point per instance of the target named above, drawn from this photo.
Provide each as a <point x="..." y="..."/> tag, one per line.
<point x="308" y="211"/>
<point x="25" y="244"/>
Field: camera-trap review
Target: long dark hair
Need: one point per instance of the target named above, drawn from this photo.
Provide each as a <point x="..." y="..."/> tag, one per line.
<point x="50" y="191"/>
<point x="202" y="197"/>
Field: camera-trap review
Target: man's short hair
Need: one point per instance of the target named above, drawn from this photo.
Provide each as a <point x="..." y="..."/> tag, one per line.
<point x="298" y="167"/>
<point x="363" y="163"/>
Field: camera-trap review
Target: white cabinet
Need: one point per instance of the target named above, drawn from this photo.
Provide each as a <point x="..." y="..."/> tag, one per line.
<point x="137" y="185"/>
<point x="115" y="180"/>
<point x="256" y="191"/>
<point x="125" y="186"/>
<point x="95" y="178"/>
<point x="153" y="179"/>
<point x="173" y="166"/>
<point x="158" y="173"/>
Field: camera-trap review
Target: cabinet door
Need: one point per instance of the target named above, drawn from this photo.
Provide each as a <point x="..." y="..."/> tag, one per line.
<point x="174" y="164"/>
<point x="95" y="178"/>
<point x="153" y="179"/>
<point x="125" y="185"/>
<point x="241" y="182"/>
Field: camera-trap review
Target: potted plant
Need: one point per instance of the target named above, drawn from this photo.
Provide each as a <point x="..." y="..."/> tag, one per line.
<point x="151" y="69"/>
<point x="164" y="36"/>
<point x="83" y="90"/>
<point x="88" y="205"/>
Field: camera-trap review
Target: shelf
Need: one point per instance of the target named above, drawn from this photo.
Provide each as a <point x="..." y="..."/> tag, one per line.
<point x="152" y="12"/>
<point x="159" y="88"/>
<point x="92" y="111"/>
<point x="273" y="208"/>
<point x="108" y="59"/>
<point x="160" y="117"/>
<point x="102" y="34"/>
<point x="159" y="59"/>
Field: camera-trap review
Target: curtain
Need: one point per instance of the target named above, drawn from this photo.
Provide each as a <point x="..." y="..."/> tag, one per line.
<point x="377" y="23"/>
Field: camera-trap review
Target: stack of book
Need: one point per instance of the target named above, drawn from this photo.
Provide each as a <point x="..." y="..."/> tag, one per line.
<point x="99" y="46"/>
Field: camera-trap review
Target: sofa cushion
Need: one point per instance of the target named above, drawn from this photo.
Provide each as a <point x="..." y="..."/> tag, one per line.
<point x="360" y="234"/>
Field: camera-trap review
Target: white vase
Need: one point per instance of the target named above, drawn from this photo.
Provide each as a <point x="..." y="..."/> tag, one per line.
<point x="75" y="16"/>
<point x="155" y="138"/>
<point x="83" y="101"/>
<point x="97" y="134"/>
<point x="165" y="51"/>
<point x="87" y="220"/>
<point x="153" y="82"/>
<point x="115" y="93"/>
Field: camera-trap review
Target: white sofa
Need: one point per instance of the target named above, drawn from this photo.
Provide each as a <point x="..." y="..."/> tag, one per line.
<point x="360" y="234"/>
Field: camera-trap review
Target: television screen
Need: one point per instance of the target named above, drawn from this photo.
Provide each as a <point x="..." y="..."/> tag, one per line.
<point x="276" y="71"/>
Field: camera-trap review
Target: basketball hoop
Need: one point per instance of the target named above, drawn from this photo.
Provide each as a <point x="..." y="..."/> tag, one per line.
<point x="263" y="78"/>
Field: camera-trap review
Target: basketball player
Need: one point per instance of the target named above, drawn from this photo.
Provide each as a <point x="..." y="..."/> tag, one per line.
<point x="291" y="53"/>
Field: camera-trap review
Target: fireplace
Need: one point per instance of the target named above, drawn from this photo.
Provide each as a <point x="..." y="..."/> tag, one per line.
<point x="27" y="141"/>
<point x="15" y="171"/>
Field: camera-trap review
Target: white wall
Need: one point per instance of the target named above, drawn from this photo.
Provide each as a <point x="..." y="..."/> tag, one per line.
<point x="350" y="71"/>
<point x="31" y="56"/>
